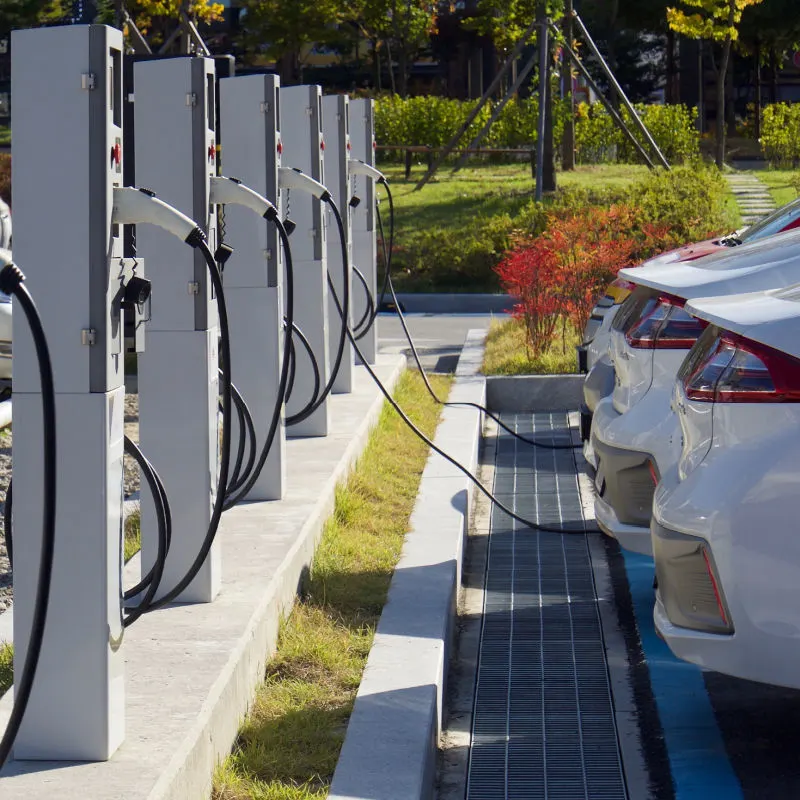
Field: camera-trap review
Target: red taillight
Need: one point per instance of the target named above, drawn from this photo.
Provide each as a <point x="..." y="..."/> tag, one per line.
<point x="717" y="597"/>
<point x="665" y="325"/>
<point x="653" y="474"/>
<point x="738" y="370"/>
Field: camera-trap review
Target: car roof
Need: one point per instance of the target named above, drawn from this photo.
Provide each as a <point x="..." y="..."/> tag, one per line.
<point x="767" y="263"/>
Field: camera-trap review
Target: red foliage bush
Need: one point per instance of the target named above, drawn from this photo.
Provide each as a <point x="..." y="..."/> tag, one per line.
<point x="561" y="273"/>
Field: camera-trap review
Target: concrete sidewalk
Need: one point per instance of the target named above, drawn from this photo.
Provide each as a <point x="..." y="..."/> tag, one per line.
<point x="192" y="670"/>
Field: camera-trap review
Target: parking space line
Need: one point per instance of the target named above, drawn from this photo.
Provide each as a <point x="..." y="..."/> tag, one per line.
<point x="700" y="766"/>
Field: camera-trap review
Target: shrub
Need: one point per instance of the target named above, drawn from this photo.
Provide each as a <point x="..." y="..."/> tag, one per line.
<point x="5" y="177"/>
<point x="780" y="134"/>
<point x="598" y="140"/>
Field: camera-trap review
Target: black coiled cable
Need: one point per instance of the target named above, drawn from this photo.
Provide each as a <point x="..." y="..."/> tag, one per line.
<point x="340" y="348"/>
<point x="11" y="282"/>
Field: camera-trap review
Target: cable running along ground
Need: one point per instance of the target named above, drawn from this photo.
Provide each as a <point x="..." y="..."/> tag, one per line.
<point x="390" y="284"/>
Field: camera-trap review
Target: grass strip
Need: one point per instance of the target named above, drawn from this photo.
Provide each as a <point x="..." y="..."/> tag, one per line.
<point x="6" y="667"/>
<point x="133" y="535"/>
<point x="507" y="352"/>
<point x="289" y="744"/>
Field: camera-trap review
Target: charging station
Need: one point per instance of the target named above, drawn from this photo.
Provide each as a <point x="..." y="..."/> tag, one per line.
<point x="68" y="151"/>
<point x="336" y="135"/>
<point x="250" y="112"/>
<point x="178" y="373"/>
<point x="302" y="115"/>
<point x="364" y="228"/>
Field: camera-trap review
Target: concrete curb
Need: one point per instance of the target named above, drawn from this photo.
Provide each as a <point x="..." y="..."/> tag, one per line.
<point x="192" y="670"/>
<point x="390" y="748"/>
<point x="446" y="303"/>
<point x="534" y="392"/>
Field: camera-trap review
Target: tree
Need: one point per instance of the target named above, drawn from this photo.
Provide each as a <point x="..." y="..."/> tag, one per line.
<point x="30" y="13"/>
<point x="717" y="20"/>
<point x="156" y="19"/>
<point x="281" y="29"/>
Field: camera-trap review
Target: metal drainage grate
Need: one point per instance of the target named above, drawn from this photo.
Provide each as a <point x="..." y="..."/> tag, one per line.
<point x="543" y="725"/>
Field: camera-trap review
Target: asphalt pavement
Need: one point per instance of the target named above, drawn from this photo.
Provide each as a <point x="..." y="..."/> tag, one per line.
<point x="438" y="337"/>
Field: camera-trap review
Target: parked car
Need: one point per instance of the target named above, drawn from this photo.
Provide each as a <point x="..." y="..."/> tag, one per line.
<point x="592" y="353"/>
<point x="635" y="437"/>
<point x="726" y="549"/>
<point x="5" y="304"/>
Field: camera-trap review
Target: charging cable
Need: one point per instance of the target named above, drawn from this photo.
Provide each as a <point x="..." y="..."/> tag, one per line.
<point x="226" y="191"/>
<point x="387" y="394"/>
<point x="132" y="206"/>
<point x="12" y="282"/>
<point x="293" y="178"/>
<point x="388" y="283"/>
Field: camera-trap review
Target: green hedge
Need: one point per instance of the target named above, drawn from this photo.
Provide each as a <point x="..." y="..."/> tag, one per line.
<point x="432" y="120"/>
<point x="599" y="140"/>
<point x="780" y="134"/>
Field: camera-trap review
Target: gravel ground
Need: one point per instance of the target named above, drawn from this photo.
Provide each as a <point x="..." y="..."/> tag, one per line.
<point x="131" y="484"/>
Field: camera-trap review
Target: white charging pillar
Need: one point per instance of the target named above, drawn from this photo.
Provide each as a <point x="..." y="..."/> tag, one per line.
<point x="303" y="149"/>
<point x="362" y="138"/>
<point x="174" y="123"/>
<point x="67" y="143"/>
<point x="250" y="119"/>
<point x="336" y="132"/>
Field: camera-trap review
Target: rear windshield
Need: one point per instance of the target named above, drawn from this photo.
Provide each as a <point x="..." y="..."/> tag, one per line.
<point x="639" y="303"/>
<point x="773" y="223"/>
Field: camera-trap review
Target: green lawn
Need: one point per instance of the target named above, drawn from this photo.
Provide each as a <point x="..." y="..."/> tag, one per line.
<point x="289" y="744"/>
<point x="452" y="233"/>
<point x="6" y="667"/>
<point x="779" y="183"/>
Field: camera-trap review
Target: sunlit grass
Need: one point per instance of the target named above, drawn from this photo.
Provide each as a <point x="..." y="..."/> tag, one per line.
<point x="781" y="183"/>
<point x="6" y="667"/>
<point x="289" y="744"/>
<point x="507" y="352"/>
<point x="133" y="535"/>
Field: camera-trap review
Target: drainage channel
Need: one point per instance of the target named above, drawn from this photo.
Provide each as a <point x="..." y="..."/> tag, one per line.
<point x="543" y="724"/>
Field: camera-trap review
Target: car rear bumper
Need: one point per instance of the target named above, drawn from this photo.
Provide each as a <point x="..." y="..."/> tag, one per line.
<point x="635" y="538"/>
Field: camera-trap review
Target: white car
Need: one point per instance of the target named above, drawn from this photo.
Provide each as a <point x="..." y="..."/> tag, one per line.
<point x="592" y="354"/>
<point x="726" y="550"/>
<point x="634" y="436"/>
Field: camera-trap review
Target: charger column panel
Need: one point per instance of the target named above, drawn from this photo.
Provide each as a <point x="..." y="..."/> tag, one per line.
<point x="250" y="110"/>
<point x="336" y="133"/>
<point x="301" y="107"/>
<point x="67" y="142"/>
<point x="362" y="138"/>
<point x="174" y="121"/>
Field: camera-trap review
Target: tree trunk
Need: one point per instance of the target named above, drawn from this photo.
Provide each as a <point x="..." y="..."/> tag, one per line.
<point x="391" y="67"/>
<point x="402" y="69"/>
<point x="730" y="107"/>
<point x="670" y="93"/>
<point x="773" y="75"/>
<point x="759" y="99"/>
<point x="549" y="171"/>
<point x="721" y="76"/>
<point x="568" y="142"/>
<point x="288" y="67"/>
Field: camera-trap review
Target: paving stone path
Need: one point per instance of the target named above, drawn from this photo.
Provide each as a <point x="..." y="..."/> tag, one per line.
<point x="752" y="196"/>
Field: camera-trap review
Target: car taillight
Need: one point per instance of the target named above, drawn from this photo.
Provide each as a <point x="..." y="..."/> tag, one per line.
<point x="665" y="325"/>
<point x="739" y="370"/>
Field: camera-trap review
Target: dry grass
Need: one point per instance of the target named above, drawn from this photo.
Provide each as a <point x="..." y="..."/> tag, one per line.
<point x="507" y="352"/>
<point x="288" y="747"/>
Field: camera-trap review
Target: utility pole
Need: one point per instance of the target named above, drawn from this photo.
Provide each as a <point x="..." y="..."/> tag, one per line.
<point x="568" y="142"/>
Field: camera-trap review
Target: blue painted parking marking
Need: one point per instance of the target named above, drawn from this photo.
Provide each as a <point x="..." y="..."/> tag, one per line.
<point x="701" y="769"/>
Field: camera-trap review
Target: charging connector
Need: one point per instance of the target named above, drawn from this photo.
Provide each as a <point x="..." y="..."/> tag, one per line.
<point x="231" y="191"/>
<point x="359" y="167"/>
<point x="293" y="178"/>
<point x="133" y="206"/>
